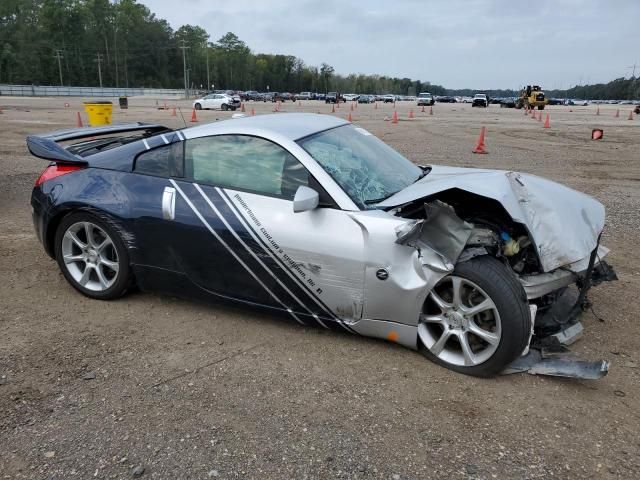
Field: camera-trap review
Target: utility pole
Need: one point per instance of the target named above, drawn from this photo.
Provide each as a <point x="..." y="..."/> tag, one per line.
<point x="99" y="59"/>
<point x="207" y="51"/>
<point x="184" y="66"/>
<point x="59" y="57"/>
<point x="115" y="38"/>
<point x="115" y="52"/>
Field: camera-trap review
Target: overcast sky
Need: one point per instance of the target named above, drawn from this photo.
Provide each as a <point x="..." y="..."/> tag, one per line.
<point x="455" y="43"/>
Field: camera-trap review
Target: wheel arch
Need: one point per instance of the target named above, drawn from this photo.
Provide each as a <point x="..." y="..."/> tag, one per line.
<point x="128" y="237"/>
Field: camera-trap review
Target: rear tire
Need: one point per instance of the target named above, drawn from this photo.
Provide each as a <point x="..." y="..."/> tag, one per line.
<point x="478" y="343"/>
<point x="92" y="256"/>
<point x="198" y="106"/>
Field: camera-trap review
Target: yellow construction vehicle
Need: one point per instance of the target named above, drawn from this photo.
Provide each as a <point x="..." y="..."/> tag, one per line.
<point x="532" y="97"/>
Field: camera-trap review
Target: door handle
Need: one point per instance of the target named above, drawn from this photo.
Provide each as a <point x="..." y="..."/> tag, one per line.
<point x="169" y="203"/>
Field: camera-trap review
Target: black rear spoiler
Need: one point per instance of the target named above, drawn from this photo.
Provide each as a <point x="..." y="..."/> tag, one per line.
<point x="46" y="146"/>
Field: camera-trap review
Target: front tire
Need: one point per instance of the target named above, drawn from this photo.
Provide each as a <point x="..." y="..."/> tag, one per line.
<point x="475" y="321"/>
<point x="92" y="256"/>
<point x="224" y="107"/>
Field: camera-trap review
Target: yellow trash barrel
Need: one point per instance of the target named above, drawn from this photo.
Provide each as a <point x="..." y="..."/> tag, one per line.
<point x="99" y="113"/>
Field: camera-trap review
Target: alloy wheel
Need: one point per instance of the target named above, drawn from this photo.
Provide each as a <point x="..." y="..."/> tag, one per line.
<point x="460" y="323"/>
<point x="90" y="256"/>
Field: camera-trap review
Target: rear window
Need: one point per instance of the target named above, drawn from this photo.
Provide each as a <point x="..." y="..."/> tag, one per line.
<point x="165" y="161"/>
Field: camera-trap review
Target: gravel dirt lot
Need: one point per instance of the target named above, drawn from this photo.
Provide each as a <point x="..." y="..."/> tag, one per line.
<point x="196" y="391"/>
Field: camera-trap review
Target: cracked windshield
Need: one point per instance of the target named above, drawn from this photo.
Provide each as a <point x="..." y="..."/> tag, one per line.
<point x="368" y="170"/>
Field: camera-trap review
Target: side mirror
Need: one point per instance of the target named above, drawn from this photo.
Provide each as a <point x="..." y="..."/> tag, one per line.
<point x="305" y="199"/>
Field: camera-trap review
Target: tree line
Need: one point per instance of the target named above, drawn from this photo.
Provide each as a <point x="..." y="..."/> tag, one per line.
<point x="123" y="44"/>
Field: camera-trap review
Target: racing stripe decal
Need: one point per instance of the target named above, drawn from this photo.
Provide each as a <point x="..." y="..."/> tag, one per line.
<point x="267" y="249"/>
<point x="253" y="254"/>
<point x="223" y="243"/>
<point x="269" y="259"/>
<point x="241" y="251"/>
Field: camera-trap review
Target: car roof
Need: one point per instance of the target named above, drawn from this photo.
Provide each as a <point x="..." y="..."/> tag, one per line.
<point x="290" y="125"/>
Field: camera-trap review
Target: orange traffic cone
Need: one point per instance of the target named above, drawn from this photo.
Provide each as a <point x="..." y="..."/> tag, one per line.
<point x="79" y="121"/>
<point x="597" y="134"/>
<point x="480" y="145"/>
<point x="395" y="117"/>
<point x="194" y="117"/>
<point x="598" y="111"/>
<point x="547" y="124"/>
<point x="349" y="117"/>
<point x="253" y="112"/>
<point x="173" y="112"/>
<point x="630" y="115"/>
<point x="242" y="109"/>
<point x="333" y="108"/>
<point x="410" y="113"/>
<point x="422" y="109"/>
<point x="431" y="110"/>
<point x="617" y="115"/>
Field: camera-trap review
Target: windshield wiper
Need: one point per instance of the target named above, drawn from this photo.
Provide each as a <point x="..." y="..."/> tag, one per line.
<point x="424" y="173"/>
<point x="378" y="200"/>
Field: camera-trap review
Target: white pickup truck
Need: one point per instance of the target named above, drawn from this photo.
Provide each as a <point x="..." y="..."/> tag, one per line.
<point x="425" y="98"/>
<point x="480" y="100"/>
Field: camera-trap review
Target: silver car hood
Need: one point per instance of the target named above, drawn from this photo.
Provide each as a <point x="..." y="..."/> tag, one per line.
<point x="564" y="224"/>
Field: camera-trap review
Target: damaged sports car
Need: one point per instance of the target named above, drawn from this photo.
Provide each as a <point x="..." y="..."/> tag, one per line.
<point x="315" y="218"/>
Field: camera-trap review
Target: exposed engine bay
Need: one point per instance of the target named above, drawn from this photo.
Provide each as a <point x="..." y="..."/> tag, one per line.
<point x="460" y="226"/>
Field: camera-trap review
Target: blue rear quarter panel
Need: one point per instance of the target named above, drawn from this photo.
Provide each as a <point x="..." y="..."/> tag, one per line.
<point x="129" y="202"/>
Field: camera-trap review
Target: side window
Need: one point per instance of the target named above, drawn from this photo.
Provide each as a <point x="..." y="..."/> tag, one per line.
<point x="165" y="161"/>
<point x="245" y="163"/>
